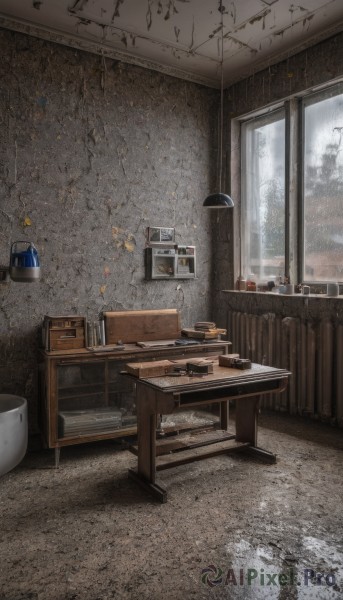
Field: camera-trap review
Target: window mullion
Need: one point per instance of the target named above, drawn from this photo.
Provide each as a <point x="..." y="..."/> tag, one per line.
<point x="291" y="190"/>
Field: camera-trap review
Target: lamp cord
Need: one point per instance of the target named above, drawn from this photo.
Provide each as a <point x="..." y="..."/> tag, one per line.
<point x="221" y="100"/>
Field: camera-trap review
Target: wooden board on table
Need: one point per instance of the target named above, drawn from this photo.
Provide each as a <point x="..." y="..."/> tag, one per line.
<point x="131" y="326"/>
<point x="157" y="368"/>
<point x="155" y="343"/>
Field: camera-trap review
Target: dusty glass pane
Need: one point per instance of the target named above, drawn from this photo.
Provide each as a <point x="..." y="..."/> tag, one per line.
<point x="323" y="187"/>
<point x="263" y="193"/>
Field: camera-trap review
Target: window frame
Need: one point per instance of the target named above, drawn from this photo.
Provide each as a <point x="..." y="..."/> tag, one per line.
<point x="294" y="178"/>
<point x="269" y="117"/>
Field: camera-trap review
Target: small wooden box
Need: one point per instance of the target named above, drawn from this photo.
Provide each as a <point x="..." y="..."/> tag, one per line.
<point x="64" y="333"/>
<point x="227" y="360"/>
<point x="157" y="368"/>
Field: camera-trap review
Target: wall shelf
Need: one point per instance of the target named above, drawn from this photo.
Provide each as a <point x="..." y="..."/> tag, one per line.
<point x="170" y="262"/>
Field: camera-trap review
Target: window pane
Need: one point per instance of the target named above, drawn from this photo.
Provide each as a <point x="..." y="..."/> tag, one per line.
<point x="323" y="186"/>
<point x="263" y="197"/>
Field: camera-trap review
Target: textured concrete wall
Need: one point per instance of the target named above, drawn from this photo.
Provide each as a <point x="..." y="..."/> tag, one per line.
<point x="92" y="153"/>
<point x="315" y="66"/>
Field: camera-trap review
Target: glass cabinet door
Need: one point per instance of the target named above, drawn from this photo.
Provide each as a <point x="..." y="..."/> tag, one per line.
<point x="121" y="393"/>
<point x="93" y="399"/>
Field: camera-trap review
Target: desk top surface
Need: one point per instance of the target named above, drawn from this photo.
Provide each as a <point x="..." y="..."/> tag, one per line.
<point x="169" y="347"/>
<point x="221" y="377"/>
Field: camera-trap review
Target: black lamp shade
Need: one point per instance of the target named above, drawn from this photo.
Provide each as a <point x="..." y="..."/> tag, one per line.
<point x="218" y="201"/>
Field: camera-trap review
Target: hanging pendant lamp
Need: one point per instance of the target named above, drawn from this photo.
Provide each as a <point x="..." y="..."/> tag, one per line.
<point x="220" y="200"/>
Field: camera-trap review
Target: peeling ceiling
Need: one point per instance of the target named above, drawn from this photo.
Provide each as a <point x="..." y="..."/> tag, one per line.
<point x="181" y="37"/>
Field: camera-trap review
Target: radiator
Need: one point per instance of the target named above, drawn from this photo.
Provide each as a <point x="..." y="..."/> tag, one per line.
<point x="311" y="350"/>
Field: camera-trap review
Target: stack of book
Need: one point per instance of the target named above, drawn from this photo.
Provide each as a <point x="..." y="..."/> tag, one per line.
<point x="203" y="330"/>
<point x="205" y="326"/>
<point x="82" y="422"/>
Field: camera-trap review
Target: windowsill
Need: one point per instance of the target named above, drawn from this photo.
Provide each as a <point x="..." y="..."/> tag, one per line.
<point x="277" y="295"/>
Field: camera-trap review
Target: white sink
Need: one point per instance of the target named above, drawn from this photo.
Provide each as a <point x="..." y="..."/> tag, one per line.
<point x="13" y="431"/>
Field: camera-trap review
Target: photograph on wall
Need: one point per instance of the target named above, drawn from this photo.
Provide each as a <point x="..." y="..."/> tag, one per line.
<point x="161" y="235"/>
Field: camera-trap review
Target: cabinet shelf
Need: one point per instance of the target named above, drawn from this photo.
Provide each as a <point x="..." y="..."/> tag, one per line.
<point x="81" y="386"/>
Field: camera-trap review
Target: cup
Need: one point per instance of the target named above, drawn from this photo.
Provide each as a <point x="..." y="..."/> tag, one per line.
<point x="289" y="288"/>
<point x="306" y="290"/>
<point x="332" y="289"/>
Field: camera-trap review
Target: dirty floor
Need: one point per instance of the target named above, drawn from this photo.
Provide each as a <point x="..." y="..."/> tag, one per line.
<point x="233" y="527"/>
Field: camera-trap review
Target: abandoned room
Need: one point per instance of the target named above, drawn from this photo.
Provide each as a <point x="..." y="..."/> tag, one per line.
<point x="171" y="299"/>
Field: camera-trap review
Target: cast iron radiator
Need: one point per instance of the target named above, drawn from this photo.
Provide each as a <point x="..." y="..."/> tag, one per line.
<point x="311" y="350"/>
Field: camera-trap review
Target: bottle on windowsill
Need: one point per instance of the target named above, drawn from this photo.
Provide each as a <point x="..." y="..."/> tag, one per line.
<point x="241" y="284"/>
<point x="251" y="284"/>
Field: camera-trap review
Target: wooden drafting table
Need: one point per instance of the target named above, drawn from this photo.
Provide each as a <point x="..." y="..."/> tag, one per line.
<point x="164" y="395"/>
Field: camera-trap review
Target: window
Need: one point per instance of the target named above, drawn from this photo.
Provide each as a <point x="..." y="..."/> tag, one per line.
<point x="323" y="187"/>
<point x="263" y="187"/>
<point x="288" y="229"/>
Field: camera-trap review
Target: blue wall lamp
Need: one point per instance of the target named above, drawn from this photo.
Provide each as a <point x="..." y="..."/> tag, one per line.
<point x="24" y="264"/>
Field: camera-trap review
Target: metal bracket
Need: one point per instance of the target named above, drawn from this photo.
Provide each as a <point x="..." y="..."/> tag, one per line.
<point x="4" y="275"/>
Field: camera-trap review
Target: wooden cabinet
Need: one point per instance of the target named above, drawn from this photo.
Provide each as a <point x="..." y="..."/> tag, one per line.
<point x="85" y="398"/>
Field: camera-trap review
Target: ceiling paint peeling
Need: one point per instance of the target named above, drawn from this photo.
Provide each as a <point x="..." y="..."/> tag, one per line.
<point x="192" y="38"/>
<point x="307" y="20"/>
<point x="78" y="5"/>
<point x="293" y="8"/>
<point x="242" y="44"/>
<point x="233" y="12"/>
<point x="255" y="19"/>
<point x="116" y="9"/>
<point x="180" y="37"/>
<point x="149" y="16"/>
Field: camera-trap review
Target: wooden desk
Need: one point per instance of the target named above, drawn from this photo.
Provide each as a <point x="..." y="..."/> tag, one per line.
<point x="164" y="395"/>
<point x="84" y="380"/>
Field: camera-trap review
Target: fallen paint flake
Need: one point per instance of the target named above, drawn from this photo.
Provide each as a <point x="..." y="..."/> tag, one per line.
<point x="116" y="231"/>
<point x="129" y="245"/>
<point x="27" y="222"/>
<point x="123" y="239"/>
<point x="102" y="289"/>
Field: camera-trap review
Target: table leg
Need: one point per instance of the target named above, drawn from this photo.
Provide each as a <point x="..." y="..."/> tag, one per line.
<point x="224" y="415"/>
<point x="246" y="420"/>
<point x="246" y="428"/>
<point x="145" y="475"/>
<point x="57" y="457"/>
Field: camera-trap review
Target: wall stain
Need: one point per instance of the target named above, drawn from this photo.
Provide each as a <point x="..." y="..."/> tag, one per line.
<point x="123" y="239"/>
<point x="89" y="162"/>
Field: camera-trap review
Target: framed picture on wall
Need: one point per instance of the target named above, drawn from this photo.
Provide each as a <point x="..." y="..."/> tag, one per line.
<point x="161" y="235"/>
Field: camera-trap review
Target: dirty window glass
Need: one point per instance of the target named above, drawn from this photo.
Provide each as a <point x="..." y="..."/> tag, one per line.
<point x="263" y="197"/>
<point x="323" y="186"/>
